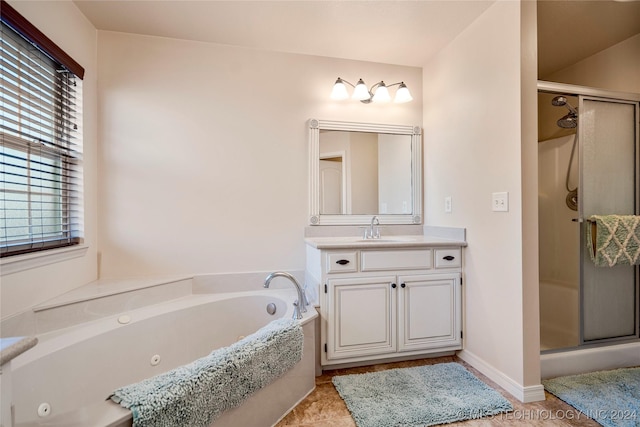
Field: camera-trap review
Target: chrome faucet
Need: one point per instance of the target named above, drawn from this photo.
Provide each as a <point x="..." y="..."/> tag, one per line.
<point x="373" y="233"/>
<point x="299" y="306"/>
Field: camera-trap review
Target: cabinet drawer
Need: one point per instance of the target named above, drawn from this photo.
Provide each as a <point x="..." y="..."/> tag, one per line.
<point x="342" y="262"/>
<point x="413" y="259"/>
<point x="448" y="258"/>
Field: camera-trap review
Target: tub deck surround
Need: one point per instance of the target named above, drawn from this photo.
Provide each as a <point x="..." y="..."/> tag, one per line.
<point x="76" y="368"/>
<point x="109" y="287"/>
<point x="106" y="297"/>
<point x="95" y="300"/>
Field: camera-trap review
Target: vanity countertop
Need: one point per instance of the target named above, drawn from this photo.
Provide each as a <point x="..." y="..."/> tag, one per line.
<point x="390" y="241"/>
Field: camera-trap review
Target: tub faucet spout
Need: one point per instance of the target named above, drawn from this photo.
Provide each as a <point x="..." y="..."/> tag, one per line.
<point x="300" y="306"/>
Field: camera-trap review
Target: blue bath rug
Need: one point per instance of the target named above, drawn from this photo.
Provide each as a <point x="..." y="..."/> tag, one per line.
<point x="612" y="398"/>
<point x="420" y="396"/>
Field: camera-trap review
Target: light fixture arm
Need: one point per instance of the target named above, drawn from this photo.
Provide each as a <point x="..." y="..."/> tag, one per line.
<point x="344" y="81"/>
<point x="379" y="84"/>
<point x="375" y="86"/>
<point x="391" y="85"/>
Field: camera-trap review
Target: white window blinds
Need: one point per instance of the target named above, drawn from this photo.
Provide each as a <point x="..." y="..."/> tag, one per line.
<point x="41" y="204"/>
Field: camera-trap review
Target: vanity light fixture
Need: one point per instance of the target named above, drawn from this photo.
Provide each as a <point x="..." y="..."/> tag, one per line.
<point x="379" y="92"/>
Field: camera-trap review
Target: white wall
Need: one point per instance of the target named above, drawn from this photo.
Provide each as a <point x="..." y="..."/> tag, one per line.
<point x="364" y="172"/>
<point x="616" y="68"/>
<point x="394" y="173"/>
<point x="203" y="151"/>
<point x="533" y="390"/>
<point x="63" y="23"/>
<point x="475" y="139"/>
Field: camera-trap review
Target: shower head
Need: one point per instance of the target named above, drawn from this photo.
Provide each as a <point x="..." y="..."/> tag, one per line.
<point x="569" y="121"/>
<point x="561" y="101"/>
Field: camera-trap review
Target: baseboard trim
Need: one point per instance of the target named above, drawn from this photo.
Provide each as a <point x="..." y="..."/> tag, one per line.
<point x="524" y="394"/>
<point x="533" y="393"/>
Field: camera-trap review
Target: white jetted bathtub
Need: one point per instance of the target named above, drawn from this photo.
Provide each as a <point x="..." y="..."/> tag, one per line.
<point x="67" y="378"/>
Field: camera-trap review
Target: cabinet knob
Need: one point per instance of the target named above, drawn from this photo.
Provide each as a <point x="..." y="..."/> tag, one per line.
<point x="342" y="261"/>
<point x="393" y="285"/>
<point x="402" y="285"/>
<point x="449" y="257"/>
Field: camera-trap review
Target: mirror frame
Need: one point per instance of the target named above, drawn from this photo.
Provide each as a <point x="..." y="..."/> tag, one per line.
<point x="316" y="218"/>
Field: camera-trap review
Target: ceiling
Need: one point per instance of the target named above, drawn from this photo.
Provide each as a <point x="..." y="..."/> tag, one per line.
<point x="571" y="30"/>
<point x="395" y="32"/>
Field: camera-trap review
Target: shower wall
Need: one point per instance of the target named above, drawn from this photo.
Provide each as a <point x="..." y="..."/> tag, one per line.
<point x="559" y="244"/>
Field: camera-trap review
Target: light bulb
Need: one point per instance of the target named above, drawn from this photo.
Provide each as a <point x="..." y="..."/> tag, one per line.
<point x="360" y="92"/>
<point x="339" y="91"/>
<point x="403" y="94"/>
<point x="381" y="94"/>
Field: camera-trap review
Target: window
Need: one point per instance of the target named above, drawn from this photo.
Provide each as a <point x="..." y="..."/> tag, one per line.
<point x="41" y="205"/>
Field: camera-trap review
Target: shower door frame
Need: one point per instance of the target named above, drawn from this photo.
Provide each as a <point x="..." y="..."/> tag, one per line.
<point x="583" y="92"/>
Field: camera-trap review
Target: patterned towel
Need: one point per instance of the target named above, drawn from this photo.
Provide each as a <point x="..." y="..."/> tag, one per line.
<point x="196" y="394"/>
<point x="617" y="240"/>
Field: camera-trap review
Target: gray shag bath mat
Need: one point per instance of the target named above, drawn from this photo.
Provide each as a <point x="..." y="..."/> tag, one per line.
<point x="194" y="395"/>
<point x="612" y="398"/>
<point x="420" y="396"/>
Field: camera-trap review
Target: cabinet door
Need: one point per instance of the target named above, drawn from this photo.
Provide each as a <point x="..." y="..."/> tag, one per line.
<point x="429" y="312"/>
<point x="361" y="316"/>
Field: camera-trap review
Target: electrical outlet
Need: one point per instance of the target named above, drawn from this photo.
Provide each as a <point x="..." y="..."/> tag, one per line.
<point x="500" y="202"/>
<point x="447" y="204"/>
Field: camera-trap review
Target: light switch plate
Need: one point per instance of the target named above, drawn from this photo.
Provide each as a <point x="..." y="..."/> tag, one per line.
<point x="447" y="204"/>
<point x="500" y="202"/>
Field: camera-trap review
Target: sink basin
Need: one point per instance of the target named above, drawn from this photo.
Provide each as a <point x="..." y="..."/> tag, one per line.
<point x="387" y="240"/>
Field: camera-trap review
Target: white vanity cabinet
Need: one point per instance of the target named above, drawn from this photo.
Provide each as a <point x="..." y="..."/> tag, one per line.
<point x="429" y="312"/>
<point x="387" y="302"/>
<point x="360" y="316"/>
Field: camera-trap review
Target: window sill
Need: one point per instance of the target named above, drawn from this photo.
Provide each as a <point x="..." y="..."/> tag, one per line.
<point x="19" y="263"/>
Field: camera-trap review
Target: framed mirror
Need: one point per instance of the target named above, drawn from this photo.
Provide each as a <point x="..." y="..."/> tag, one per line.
<point x="358" y="170"/>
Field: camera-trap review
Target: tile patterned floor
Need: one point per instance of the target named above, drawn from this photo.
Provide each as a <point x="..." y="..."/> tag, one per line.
<point x="324" y="407"/>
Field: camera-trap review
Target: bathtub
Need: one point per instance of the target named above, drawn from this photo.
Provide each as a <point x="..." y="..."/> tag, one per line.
<point x="67" y="378"/>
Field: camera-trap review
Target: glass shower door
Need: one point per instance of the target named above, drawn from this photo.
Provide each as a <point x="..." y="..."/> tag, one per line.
<point x="608" y="185"/>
